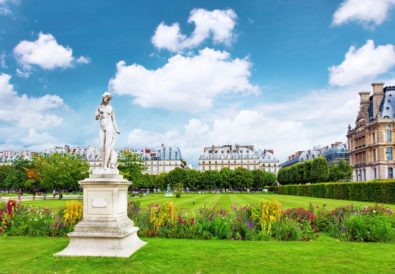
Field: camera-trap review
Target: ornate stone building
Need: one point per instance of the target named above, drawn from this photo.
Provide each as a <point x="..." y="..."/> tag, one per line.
<point x="371" y="141"/>
<point x="234" y="156"/>
<point x="161" y="160"/>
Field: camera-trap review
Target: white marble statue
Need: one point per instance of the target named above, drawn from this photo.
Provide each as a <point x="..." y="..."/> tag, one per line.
<point x="108" y="128"/>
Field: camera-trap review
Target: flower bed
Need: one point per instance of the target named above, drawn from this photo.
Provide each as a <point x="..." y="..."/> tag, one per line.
<point x="18" y="220"/>
<point x="263" y="221"/>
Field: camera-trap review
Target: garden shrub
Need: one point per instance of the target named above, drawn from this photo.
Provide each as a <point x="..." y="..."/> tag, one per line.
<point x="72" y="212"/>
<point x="266" y="214"/>
<point x="369" y="228"/>
<point x="380" y="192"/>
<point x="286" y="230"/>
<point x="30" y="221"/>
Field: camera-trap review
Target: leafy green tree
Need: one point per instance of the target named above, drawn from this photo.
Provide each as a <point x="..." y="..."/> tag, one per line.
<point x="269" y="179"/>
<point x="300" y="170"/>
<point x="243" y="179"/>
<point x="4" y="171"/>
<point x="210" y="180"/>
<point x="340" y="171"/>
<point x="160" y="181"/>
<point x="177" y="175"/>
<point x="17" y="176"/>
<point x="259" y="179"/>
<point x="132" y="166"/>
<point x="307" y="171"/>
<point x="319" y="170"/>
<point x="227" y="176"/>
<point x="60" y="171"/>
<point x="193" y="179"/>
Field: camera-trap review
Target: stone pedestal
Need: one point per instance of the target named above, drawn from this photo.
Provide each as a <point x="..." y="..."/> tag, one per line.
<point x="105" y="229"/>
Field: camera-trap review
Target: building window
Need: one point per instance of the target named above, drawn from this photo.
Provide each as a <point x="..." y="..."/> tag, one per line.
<point x="390" y="173"/>
<point x="388" y="135"/>
<point x="389" y="153"/>
<point x="375" y="173"/>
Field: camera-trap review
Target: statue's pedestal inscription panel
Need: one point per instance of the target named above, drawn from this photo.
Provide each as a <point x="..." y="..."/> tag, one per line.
<point x="105" y="229"/>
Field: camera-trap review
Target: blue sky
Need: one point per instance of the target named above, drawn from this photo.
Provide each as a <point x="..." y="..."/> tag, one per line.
<point x="283" y="75"/>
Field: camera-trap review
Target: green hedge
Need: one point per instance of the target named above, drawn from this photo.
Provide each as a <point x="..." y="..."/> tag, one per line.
<point x="380" y="192"/>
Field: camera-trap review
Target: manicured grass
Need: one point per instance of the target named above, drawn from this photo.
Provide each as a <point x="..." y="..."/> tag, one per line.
<point x="193" y="201"/>
<point x="35" y="255"/>
<point x="51" y="204"/>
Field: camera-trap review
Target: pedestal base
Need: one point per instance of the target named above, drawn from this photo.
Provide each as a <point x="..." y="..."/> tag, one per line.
<point x="102" y="245"/>
<point x="105" y="229"/>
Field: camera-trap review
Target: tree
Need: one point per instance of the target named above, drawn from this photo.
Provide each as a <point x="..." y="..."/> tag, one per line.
<point x="319" y="170"/>
<point x="259" y="179"/>
<point x="269" y="179"/>
<point x="60" y="171"/>
<point x="340" y="171"/>
<point x="210" y="180"/>
<point x="193" y="179"/>
<point x="227" y="176"/>
<point x="243" y="179"/>
<point x="307" y="171"/>
<point x="4" y="171"/>
<point x="32" y="183"/>
<point x="177" y="175"/>
<point x="17" y="176"/>
<point x="132" y="166"/>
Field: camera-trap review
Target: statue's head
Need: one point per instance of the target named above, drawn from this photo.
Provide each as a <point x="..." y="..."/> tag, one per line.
<point x="106" y="97"/>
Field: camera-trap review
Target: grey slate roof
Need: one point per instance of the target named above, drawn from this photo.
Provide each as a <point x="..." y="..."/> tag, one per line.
<point x="387" y="106"/>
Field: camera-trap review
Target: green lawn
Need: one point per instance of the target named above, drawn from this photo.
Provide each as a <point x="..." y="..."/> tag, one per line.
<point x="51" y="204"/>
<point x="193" y="201"/>
<point x="326" y="255"/>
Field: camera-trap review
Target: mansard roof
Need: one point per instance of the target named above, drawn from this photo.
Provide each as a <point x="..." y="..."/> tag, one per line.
<point x="387" y="105"/>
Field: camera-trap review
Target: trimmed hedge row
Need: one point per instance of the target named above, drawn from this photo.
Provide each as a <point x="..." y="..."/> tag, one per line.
<point x="380" y="192"/>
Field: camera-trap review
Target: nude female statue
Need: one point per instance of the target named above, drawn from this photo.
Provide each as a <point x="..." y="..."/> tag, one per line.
<point x="108" y="127"/>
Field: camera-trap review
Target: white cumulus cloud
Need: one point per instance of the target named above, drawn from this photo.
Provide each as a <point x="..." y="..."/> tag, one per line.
<point x="45" y="53"/>
<point x="217" y="24"/>
<point x="27" y="112"/>
<point x="364" y="63"/>
<point x="317" y="118"/>
<point x="184" y="83"/>
<point x="367" y="12"/>
<point x="35" y="138"/>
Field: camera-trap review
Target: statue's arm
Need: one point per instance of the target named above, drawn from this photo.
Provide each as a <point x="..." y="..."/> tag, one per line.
<point x="114" y="121"/>
<point x="97" y="114"/>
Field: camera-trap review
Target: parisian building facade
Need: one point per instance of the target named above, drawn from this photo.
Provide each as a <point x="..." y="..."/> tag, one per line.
<point x="156" y="161"/>
<point x="371" y="141"/>
<point x="234" y="156"/>
<point x="333" y="153"/>
<point x="164" y="159"/>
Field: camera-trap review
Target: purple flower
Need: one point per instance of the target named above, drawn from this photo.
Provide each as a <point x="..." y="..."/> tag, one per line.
<point x="250" y="224"/>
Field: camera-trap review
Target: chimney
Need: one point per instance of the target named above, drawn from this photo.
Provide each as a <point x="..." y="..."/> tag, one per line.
<point x="364" y="97"/>
<point x="378" y="94"/>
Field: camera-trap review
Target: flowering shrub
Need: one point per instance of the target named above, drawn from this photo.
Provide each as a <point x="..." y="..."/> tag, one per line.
<point x="359" y="224"/>
<point x="7" y="211"/>
<point x="30" y="221"/>
<point x="254" y="222"/>
<point x="72" y="212"/>
<point x="369" y="228"/>
<point x="266" y="214"/>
